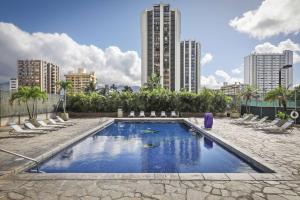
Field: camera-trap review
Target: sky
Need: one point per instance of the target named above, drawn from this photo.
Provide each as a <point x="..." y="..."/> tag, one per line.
<point x="104" y="36"/>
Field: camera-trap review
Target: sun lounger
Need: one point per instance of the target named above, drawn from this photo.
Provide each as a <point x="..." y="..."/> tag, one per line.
<point x="142" y="114"/>
<point x="252" y="120"/>
<point x="63" y="121"/>
<point x="279" y="129"/>
<point x="261" y="121"/>
<point x="245" y="118"/>
<point x="173" y="114"/>
<point x="152" y="114"/>
<point x="163" y="114"/>
<point x="43" y="124"/>
<point x="272" y="123"/>
<point x="32" y="127"/>
<point x="131" y="114"/>
<point x="58" y="123"/>
<point x="16" y="129"/>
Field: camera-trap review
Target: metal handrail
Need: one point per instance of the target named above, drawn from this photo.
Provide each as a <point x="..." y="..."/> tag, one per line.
<point x="25" y="157"/>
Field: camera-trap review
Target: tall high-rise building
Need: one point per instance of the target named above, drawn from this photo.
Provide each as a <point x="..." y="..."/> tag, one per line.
<point x="39" y="73"/>
<point x="262" y="70"/>
<point x="160" y="29"/>
<point x="80" y="80"/>
<point x="190" y="52"/>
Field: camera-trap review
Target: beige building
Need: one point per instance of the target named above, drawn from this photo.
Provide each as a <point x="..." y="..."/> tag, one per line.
<point x="80" y="80"/>
<point x="39" y="73"/>
<point x="232" y="89"/>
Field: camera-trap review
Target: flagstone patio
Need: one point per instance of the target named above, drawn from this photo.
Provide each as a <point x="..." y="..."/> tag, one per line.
<point x="282" y="151"/>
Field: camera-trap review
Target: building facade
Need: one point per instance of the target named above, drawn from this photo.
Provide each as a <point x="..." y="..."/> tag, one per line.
<point x="42" y="74"/>
<point x="232" y="89"/>
<point x="80" y="80"/>
<point x="262" y="70"/>
<point x="13" y="84"/>
<point x="160" y="31"/>
<point x="190" y="68"/>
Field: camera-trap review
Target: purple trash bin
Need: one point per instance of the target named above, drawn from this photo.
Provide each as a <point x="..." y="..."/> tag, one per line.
<point x="208" y="120"/>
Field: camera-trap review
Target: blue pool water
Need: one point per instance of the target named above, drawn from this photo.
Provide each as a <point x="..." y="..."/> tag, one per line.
<point x="146" y="147"/>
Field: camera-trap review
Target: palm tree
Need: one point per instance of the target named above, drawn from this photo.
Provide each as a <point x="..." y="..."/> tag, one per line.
<point x="127" y="89"/>
<point x="248" y="93"/>
<point x="153" y="82"/>
<point x="65" y="86"/>
<point x="281" y="94"/>
<point x="91" y="87"/>
<point x="25" y="95"/>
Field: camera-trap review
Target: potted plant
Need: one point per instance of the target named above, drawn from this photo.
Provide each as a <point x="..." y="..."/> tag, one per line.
<point x="64" y="86"/>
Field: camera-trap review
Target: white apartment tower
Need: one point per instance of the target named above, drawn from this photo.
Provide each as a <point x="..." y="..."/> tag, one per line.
<point x="160" y="30"/>
<point x="190" y="53"/>
<point x="262" y="70"/>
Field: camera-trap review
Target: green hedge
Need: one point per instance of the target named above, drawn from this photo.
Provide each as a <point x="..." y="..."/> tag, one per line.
<point x="157" y="99"/>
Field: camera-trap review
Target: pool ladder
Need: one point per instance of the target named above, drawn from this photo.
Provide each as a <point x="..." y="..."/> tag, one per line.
<point x="25" y="157"/>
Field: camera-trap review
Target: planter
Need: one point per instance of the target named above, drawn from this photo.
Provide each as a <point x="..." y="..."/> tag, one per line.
<point x="220" y="114"/>
<point x="34" y="122"/>
<point x="235" y="115"/>
<point x="64" y="116"/>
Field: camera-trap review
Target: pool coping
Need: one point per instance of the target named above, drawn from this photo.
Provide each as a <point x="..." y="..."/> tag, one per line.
<point x="19" y="174"/>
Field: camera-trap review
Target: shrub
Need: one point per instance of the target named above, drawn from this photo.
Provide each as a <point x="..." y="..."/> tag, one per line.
<point x="157" y="99"/>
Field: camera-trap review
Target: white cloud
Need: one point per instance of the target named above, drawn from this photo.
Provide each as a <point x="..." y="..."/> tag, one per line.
<point x="111" y="64"/>
<point x="217" y="80"/>
<point x="227" y="78"/>
<point x="238" y="70"/>
<point x="208" y="57"/>
<point x="271" y="18"/>
<point x="210" y="82"/>
<point x="284" y="45"/>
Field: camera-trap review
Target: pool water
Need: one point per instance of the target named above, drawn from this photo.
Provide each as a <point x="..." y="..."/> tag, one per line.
<point x="146" y="147"/>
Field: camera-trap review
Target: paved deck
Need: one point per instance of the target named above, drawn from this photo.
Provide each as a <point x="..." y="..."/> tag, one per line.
<point x="280" y="150"/>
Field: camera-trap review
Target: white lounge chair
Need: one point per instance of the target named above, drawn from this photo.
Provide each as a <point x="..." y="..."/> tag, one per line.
<point x="16" y="129"/>
<point x="279" y="129"/>
<point x="142" y="114"/>
<point x="270" y="124"/>
<point x="173" y="114"/>
<point x="131" y="114"/>
<point x="244" y="118"/>
<point x="58" y="123"/>
<point x="63" y="121"/>
<point x="43" y="124"/>
<point x="32" y="127"/>
<point x="152" y="114"/>
<point x="163" y="114"/>
<point x="261" y="121"/>
<point x="252" y="120"/>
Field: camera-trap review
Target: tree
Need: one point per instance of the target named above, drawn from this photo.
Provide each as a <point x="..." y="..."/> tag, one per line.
<point x="65" y="86"/>
<point x="281" y="94"/>
<point x="27" y="94"/>
<point x="127" y="89"/>
<point x="91" y="87"/>
<point x="153" y="82"/>
<point x="248" y="93"/>
<point x="113" y="88"/>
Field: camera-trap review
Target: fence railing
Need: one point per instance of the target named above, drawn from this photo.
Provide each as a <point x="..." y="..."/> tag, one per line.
<point x="16" y="109"/>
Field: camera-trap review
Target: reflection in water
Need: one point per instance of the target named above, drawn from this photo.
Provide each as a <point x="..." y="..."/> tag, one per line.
<point x="208" y="143"/>
<point x="124" y="147"/>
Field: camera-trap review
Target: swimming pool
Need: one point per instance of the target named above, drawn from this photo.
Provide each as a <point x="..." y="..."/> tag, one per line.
<point x="147" y="147"/>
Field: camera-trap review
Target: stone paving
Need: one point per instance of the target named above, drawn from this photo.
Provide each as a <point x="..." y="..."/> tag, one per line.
<point x="280" y="150"/>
